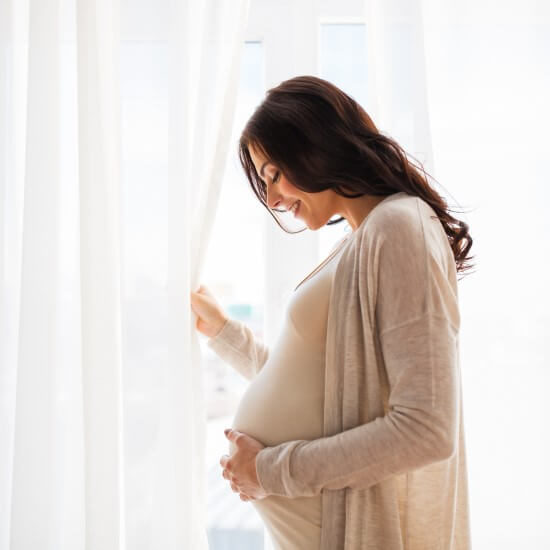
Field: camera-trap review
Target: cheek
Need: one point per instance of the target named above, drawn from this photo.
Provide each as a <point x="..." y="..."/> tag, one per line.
<point x="287" y="187"/>
<point x="291" y="191"/>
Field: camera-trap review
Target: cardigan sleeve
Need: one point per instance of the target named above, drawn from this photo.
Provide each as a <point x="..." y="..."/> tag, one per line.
<point x="418" y="333"/>
<point x="237" y="345"/>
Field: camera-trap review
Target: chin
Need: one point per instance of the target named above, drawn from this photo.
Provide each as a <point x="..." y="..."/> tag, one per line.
<point x="316" y="224"/>
<point x="314" y="227"/>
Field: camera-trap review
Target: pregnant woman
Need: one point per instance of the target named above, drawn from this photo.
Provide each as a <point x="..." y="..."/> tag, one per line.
<point x="350" y="434"/>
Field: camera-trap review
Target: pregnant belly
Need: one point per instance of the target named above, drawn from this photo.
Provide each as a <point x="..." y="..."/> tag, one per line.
<point x="284" y="402"/>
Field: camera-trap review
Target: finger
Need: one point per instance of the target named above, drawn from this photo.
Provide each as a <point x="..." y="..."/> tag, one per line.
<point x="234" y="487"/>
<point x="205" y="290"/>
<point x="223" y="460"/>
<point x="226" y="475"/>
<point x="233" y="435"/>
<point x="244" y="497"/>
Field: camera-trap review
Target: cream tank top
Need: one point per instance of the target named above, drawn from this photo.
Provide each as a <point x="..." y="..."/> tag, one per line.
<point x="285" y="400"/>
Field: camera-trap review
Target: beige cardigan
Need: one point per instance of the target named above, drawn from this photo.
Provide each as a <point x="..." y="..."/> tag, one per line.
<point x="391" y="467"/>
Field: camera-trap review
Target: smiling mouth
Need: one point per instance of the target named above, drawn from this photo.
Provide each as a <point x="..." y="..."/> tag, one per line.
<point x="295" y="207"/>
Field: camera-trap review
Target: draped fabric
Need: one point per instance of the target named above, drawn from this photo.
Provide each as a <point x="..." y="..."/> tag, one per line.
<point x="102" y="444"/>
<point x="397" y="91"/>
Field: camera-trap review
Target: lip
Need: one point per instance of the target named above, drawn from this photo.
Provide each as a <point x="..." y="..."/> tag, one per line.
<point x="298" y="207"/>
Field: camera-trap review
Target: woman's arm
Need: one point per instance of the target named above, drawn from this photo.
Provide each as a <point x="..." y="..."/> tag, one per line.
<point x="237" y="345"/>
<point x="420" y="428"/>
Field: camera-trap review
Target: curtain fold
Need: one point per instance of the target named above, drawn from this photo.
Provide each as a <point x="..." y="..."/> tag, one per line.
<point x="202" y="101"/>
<point x="35" y="470"/>
<point x="98" y="118"/>
<point x="79" y="469"/>
<point x="398" y="98"/>
<point x="13" y="96"/>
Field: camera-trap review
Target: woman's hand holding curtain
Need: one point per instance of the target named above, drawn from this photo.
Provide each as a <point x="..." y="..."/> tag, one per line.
<point x="210" y="315"/>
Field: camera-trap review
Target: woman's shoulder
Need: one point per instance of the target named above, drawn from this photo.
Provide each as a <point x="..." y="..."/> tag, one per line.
<point x="406" y="222"/>
<point x="400" y="214"/>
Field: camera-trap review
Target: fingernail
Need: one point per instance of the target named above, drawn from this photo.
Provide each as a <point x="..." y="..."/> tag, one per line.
<point x="226" y="431"/>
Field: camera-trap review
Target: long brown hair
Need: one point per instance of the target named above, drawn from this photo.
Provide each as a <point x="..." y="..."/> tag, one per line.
<point x="321" y="138"/>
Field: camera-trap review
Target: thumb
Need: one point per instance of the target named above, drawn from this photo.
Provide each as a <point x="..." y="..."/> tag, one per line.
<point x="231" y="434"/>
<point x="205" y="290"/>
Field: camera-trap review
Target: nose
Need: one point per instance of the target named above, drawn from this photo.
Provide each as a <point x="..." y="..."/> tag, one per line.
<point x="273" y="198"/>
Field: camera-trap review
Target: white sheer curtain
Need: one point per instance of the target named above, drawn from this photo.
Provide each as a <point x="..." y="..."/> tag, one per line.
<point x="397" y="91"/>
<point x="70" y="467"/>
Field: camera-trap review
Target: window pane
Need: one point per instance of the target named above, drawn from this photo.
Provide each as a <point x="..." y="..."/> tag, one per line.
<point x="343" y="58"/>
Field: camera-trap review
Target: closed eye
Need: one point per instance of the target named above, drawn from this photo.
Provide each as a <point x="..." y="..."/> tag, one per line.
<point x="274" y="180"/>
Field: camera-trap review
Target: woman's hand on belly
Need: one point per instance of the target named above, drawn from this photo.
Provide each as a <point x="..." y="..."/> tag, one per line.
<point x="240" y="467"/>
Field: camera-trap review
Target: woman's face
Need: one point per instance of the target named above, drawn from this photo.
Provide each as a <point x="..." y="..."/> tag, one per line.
<point x="314" y="209"/>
